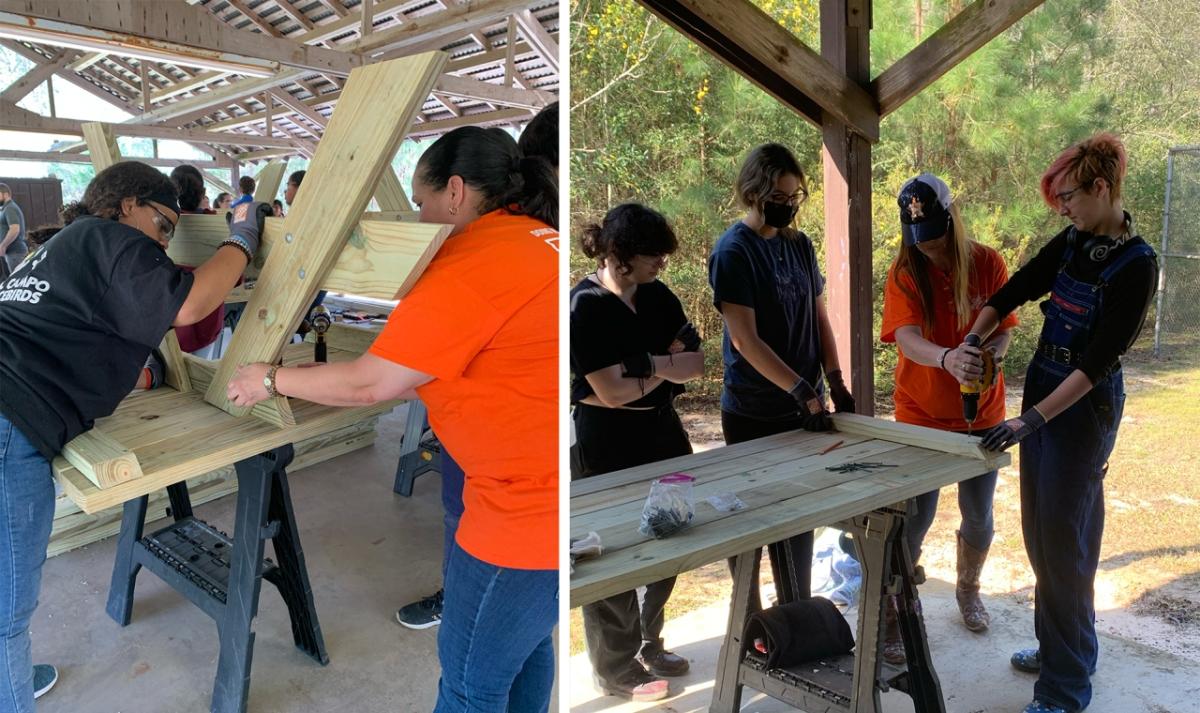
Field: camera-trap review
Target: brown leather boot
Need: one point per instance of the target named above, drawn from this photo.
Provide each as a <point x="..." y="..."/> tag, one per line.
<point x="892" y="649"/>
<point x="970" y="564"/>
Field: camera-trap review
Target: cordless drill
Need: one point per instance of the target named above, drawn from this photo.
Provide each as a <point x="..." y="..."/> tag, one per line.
<point x="971" y="392"/>
<point x="320" y="319"/>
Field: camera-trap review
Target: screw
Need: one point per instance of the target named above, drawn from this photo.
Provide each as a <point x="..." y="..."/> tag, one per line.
<point x="288" y="238"/>
<point x="301" y="273"/>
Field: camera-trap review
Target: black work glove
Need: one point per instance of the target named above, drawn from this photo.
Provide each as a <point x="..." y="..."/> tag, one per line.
<point x="1004" y="436"/>
<point x="689" y="338"/>
<point x="843" y="401"/>
<point x="817" y="421"/>
<point x="637" y="366"/>
<point x="246" y="225"/>
<point x="806" y="397"/>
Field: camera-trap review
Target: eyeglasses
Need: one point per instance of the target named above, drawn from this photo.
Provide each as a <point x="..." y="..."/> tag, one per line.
<point x="795" y="199"/>
<point x="165" y="225"/>
<point x="654" y="259"/>
<point x="1065" y="197"/>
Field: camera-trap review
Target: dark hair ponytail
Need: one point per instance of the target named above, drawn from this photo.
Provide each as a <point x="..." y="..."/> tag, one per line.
<point x="190" y="184"/>
<point x="489" y="161"/>
<point x="628" y="230"/>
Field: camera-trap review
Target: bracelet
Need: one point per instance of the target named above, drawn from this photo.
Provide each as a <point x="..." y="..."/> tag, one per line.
<point x="269" y="382"/>
<point x="240" y="245"/>
<point x="942" y="359"/>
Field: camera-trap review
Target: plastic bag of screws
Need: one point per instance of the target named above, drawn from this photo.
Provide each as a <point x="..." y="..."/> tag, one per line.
<point x="669" y="507"/>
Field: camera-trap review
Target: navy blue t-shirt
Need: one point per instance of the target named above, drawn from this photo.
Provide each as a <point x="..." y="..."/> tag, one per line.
<point x="780" y="280"/>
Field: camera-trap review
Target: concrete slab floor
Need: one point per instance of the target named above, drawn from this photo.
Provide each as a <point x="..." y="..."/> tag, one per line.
<point x="368" y="550"/>
<point x="973" y="669"/>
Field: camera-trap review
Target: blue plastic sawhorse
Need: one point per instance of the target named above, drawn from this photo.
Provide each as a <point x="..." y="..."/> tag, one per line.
<point x="417" y="455"/>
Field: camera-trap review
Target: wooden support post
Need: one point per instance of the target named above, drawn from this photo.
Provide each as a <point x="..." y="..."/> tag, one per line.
<point x="176" y="374"/>
<point x="390" y="194"/>
<point x="368" y="19"/>
<point x="50" y="96"/>
<point x="266" y="183"/>
<point x="102" y="145"/>
<point x="846" y="158"/>
<point x="145" y="77"/>
<point x="358" y="146"/>
<point x="269" y="104"/>
<point x="510" y="66"/>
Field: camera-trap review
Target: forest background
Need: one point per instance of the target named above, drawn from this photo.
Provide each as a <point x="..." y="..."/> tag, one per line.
<point x="655" y="119"/>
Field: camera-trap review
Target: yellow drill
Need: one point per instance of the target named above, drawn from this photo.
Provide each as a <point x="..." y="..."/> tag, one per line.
<point x="970" y="393"/>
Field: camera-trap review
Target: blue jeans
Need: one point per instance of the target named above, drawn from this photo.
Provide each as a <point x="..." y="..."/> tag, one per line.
<point x="26" y="514"/>
<point x="453" y="479"/>
<point x="975" y="498"/>
<point x="494" y="643"/>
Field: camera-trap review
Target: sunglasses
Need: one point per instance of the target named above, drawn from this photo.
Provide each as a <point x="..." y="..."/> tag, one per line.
<point x="165" y="224"/>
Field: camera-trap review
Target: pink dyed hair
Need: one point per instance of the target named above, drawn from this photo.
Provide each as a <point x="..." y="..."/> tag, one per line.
<point x="1100" y="156"/>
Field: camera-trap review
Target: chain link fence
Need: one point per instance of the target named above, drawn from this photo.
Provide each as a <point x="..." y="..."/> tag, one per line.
<point x="1177" y="313"/>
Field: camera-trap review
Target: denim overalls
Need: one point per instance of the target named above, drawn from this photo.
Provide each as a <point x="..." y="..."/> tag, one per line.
<point x="1062" y="495"/>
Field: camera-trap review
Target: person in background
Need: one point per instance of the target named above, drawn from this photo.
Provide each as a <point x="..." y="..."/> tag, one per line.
<point x="99" y="295"/>
<point x="1101" y="277"/>
<point x="189" y="183"/>
<point x="205" y="205"/>
<point x="487" y="310"/>
<point x="293" y="185"/>
<point x="427" y="611"/>
<point x="12" y="232"/>
<point x="933" y="292"/>
<point x="277" y="208"/>
<point x="246" y="186"/>
<point x="632" y="348"/>
<point x="223" y="202"/>
<point x="778" y="342"/>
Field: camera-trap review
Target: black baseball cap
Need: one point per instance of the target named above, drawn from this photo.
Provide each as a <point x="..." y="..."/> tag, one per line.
<point x="924" y="209"/>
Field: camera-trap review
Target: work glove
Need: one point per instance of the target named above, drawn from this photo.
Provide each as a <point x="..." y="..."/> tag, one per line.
<point x="687" y="338"/>
<point x="246" y="226"/>
<point x="813" y="416"/>
<point x="817" y="421"/>
<point x="843" y="401"/>
<point x="1004" y="436"/>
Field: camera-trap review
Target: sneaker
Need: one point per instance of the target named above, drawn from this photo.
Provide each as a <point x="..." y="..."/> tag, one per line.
<point x="44" y="678"/>
<point x="422" y="614"/>
<point x="663" y="662"/>
<point x="641" y="688"/>
<point x="1042" y="707"/>
<point x="1027" y="660"/>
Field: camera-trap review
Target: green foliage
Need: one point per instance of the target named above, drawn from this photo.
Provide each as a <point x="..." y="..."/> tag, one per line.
<point x="655" y="119"/>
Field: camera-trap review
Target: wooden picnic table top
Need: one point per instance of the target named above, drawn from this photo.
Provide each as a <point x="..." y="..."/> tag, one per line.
<point x="786" y="488"/>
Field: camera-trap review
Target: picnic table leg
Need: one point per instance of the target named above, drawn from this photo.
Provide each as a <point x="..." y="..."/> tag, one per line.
<point x="727" y="692"/>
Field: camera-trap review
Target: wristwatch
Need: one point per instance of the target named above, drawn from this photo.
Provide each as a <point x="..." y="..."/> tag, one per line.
<point x="269" y="381"/>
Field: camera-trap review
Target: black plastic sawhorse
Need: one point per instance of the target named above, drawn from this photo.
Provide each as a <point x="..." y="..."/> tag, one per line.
<point x="222" y="575"/>
<point x="418" y="455"/>
<point x="842" y="684"/>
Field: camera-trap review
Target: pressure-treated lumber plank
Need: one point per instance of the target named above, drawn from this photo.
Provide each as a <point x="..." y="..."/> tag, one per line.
<point x="266" y="183"/>
<point x="102" y="145"/>
<point x="974" y="27"/>
<point x="101" y="458"/>
<point x="176" y="374"/>
<point x="358" y="145"/>
<point x="353" y="338"/>
<point x="277" y="410"/>
<point x="383" y="258"/>
<point x="390" y="194"/>
<point x="933" y="439"/>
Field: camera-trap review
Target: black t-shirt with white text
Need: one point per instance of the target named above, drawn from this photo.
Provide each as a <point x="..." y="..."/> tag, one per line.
<point x="77" y="320"/>
<point x="604" y="331"/>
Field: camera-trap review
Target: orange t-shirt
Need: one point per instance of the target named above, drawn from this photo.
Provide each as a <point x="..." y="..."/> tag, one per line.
<point x="927" y="395"/>
<point x="483" y="321"/>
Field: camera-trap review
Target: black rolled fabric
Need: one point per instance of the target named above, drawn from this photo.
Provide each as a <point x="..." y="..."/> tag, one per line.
<point x="801" y="631"/>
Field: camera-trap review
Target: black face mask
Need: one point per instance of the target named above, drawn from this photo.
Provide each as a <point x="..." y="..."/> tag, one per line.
<point x="779" y="215"/>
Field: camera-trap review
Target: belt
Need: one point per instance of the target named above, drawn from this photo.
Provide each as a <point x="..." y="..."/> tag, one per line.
<point x="1058" y="355"/>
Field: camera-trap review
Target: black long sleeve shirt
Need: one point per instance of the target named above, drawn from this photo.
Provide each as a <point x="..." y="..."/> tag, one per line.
<point x="1126" y="298"/>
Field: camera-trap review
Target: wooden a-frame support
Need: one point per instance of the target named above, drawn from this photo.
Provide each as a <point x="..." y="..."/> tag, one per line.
<point x="834" y="91"/>
<point x="322" y="243"/>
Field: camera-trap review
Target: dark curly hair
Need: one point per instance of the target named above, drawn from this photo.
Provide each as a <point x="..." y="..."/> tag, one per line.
<point x="39" y="235"/>
<point x="124" y="179"/>
<point x="540" y="137"/>
<point x="190" y="184"/>
<point x="628" y="230"/>
<point x="489" y="161"/>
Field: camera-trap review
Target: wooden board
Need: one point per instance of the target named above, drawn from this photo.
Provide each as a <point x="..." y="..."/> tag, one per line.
<point x="277" y="410"/>
<point x="175" y="374"/>
<point x="266" y="183"/>
<point x="390" y="194"/>
<point x="102" y="145"/>
<point x="100" y="458"/>
<point x="357" y="146"/>
<point x="380" y="258"/>
<point x="785" y="484"/>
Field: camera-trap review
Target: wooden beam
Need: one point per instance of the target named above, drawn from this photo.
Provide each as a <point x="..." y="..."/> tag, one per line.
<point x="536" y="35"/>
<point x="473" y="62"/>
<point x="259" y="22"/>
<point x="159" y="30"/>
<point x="266" y="183"/>
<point x="437" y="30"/>
<point x="368" y="19"/>
<point x="175" y="374"/>
<point x="142" y="70"/>
<point x="958" y="39"/>
<point x="390" y="194"/>
<point x="102" y="145"/>
<point x="86" y="61"/>
<point x="218" y="97"/>
<point x="337" y="7"/>
<point x="358" y="145"/>
<point x="510" y="42"/>
<point x="275" y="410"/>
<point x="217" y="182"/>
<point x="295" y="14"/>
<point x="495" y="94"/>
<point x="201" y="80"/>
<point x="21" y="88"/>
<point x="945" y="441"/>
<point x="101" y="459"/>
<point x="846" y="161"/>
<point x="757" y="47"/>
<point x="299" y="107"/>
<point x="487" y="118"/>
<point x="55" y="157"/>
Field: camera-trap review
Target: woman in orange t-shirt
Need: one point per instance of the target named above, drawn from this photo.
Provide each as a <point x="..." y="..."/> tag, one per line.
<point x="934" y="290"/>
<point x="476" y="339"/>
